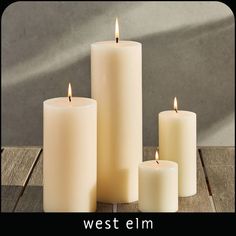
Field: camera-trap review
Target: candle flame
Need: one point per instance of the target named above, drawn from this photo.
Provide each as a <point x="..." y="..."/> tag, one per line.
<point x="117" y="31"/>
<point x="69" y="92"/>
<point x="156" y="155"/>
<point x="175" y="104"/>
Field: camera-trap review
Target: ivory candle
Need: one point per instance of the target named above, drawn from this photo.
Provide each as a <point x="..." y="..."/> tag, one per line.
<point x="158" y="186"/>
<point x="116" y="69"/>
<point x="69" y="154"/>
<point x="177" y="142"/>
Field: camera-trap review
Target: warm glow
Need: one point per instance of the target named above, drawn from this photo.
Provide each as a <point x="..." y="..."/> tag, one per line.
<point x="69" y="92"/>
<point x="175" y="104"/>
<point x="156" y="155"/>
<point x="117" y="31"/>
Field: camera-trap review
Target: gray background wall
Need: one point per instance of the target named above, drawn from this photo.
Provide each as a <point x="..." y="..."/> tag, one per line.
<point x="188" y="52"/>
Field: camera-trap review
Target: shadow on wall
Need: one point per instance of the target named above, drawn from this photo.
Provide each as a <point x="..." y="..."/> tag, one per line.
<point x="194" y="64"/>
<point x="60" y="15"/>
<point x="191" y="63"/>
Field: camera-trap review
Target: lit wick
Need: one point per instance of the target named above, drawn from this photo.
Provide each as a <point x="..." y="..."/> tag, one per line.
<point x="175" y="105"/>
<point x="117" y="31"/>
<point x="69" y="92"/>
<point x="156" y="157"/>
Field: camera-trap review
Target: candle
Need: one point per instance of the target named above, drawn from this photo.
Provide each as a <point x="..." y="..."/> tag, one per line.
<point x="158" y="186"/>
<point x="116" y="70"/>
<point x="177" y="142"/>
<point x="69" y="154"/>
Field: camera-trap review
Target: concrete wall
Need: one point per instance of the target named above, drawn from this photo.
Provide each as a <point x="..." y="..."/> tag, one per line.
<point x="188" y="52"/>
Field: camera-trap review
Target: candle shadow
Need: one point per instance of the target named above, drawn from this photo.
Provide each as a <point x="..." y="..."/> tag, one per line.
<point x="30" y="201"/>
<point x="9" y="196"/>
<point x="192" y="63"/>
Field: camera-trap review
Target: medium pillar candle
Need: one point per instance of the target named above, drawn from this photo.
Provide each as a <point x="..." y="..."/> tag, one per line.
<point x="69" y="155"/>
<point x="158" y="186"/>
<point x="177" y="142"/>
<point x="116" y="69"/>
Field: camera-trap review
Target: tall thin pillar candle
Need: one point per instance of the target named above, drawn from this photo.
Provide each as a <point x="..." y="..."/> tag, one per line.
<point x="116" y="69"/>
<point x="177" y="142"/>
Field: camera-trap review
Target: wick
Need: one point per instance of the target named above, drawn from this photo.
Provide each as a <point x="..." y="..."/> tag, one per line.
<point x="157" y="162"/>
<point x="117" y="40"/>
<point x="176" y="110"/>
<point x="70" y="98"/>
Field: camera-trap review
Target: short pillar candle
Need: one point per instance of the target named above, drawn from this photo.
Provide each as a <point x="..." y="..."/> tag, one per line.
<point x="158" y="186"/>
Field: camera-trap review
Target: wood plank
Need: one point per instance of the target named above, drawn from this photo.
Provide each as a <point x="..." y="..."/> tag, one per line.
<point x="32" y="198"/>
<point x="218" y="156"/>
<point x="201" y="202"/>
<point x="127" y="207"/>
<point x="36" y="178"/>
<point x="9" y="197"/>
<point x="104" y="207"/>
<point x="16" y="165"/>
<point x="220" y="170"/>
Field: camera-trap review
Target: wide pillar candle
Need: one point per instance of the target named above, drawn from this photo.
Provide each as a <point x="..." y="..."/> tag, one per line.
<point x="177" y="142"/>
<point x="116" y="70"/>
<point x="69" y="155"/>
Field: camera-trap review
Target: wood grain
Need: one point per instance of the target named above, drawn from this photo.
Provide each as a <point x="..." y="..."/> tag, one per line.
<point x="128" y="207"/>
<point x="104" y="207"/>
<point x="16" y="166"/>
<point x="32" y="198"/>
<point x="218" y="156"/>
<point x="220" y="171"/>
<point x="9" y="197"/>
<point x="200" y="202"/>
<point x="218" y="167"/>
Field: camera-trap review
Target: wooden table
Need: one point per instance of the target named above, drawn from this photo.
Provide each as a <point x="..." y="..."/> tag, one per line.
<point x="22" y="181"/>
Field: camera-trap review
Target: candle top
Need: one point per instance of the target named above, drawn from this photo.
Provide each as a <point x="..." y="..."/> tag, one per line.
<point x="76" y="102"/>
<point x="113" y="44"/>
<point x="180" y="113"/>
<point x="163" y="164"/>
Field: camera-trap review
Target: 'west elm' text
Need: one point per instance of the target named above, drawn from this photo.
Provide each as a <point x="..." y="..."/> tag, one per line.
<point x="114" y="224"/>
